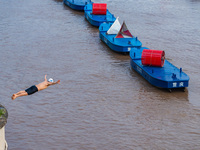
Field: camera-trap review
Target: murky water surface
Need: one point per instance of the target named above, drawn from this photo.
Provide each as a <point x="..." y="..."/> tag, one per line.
<point x="101" y="102"/>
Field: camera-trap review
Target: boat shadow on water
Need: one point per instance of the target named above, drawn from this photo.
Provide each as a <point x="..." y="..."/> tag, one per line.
<point x="58" y="0"/>
<point x="73" y="11"/>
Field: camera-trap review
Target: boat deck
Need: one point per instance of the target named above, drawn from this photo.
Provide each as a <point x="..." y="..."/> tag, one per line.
<point x="77" y="4"/>
<point x="127" y="43"/>
<point x="174" y="77"/>
<point x="96" y="20"/>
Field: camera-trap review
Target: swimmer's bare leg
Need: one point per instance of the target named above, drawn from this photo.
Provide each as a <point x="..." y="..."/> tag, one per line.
<point x="18" y="94"/>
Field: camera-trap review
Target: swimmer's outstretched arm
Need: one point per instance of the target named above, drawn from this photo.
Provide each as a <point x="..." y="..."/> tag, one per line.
<point x="45" y="77"/>
<point x="52" y="83"/>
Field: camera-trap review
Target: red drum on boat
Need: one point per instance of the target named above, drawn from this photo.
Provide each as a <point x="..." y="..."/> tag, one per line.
<point x="153" y="57"/>
<point x="99" y="8"/>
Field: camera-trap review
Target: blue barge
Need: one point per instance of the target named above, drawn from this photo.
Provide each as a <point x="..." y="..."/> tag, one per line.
<point x="122" y="45"/>
<point x="77" y="4"/>
<point x="168" y="76"/>
<point x="97" y="19"/>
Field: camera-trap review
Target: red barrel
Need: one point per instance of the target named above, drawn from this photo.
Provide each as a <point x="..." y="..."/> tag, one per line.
<point x="153" y="57"/>
<point x="99" y="8"/>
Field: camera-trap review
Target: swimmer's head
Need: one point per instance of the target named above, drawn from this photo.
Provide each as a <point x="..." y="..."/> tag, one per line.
<point x="50" y="80"/>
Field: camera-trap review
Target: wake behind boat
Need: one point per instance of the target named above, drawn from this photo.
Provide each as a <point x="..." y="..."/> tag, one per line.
<point x="97" y="13"/>
<point x="77" y="4"/>
<point x="118" y="37"/>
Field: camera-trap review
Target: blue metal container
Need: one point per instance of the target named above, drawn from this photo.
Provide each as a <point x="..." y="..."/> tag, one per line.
<point x="168" y="76"/>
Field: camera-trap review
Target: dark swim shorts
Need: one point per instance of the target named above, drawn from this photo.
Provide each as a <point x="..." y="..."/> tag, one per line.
<point x="31" y="90"/>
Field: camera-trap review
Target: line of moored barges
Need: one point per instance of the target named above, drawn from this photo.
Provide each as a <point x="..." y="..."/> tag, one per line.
<point x="150" y="64"/>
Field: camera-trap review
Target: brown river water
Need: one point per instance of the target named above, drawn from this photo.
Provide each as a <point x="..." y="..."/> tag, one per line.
<point x="101" y="103"/>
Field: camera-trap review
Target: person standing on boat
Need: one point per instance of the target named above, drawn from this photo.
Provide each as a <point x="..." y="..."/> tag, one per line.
<point x="41" y="86"/>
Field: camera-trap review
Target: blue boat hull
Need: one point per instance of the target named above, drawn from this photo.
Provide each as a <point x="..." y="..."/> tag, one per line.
<point x="77" y="4"/>
<point x="122" y="45"/>
<point x="97" y="20"/>
<point x="168" y="76"/>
